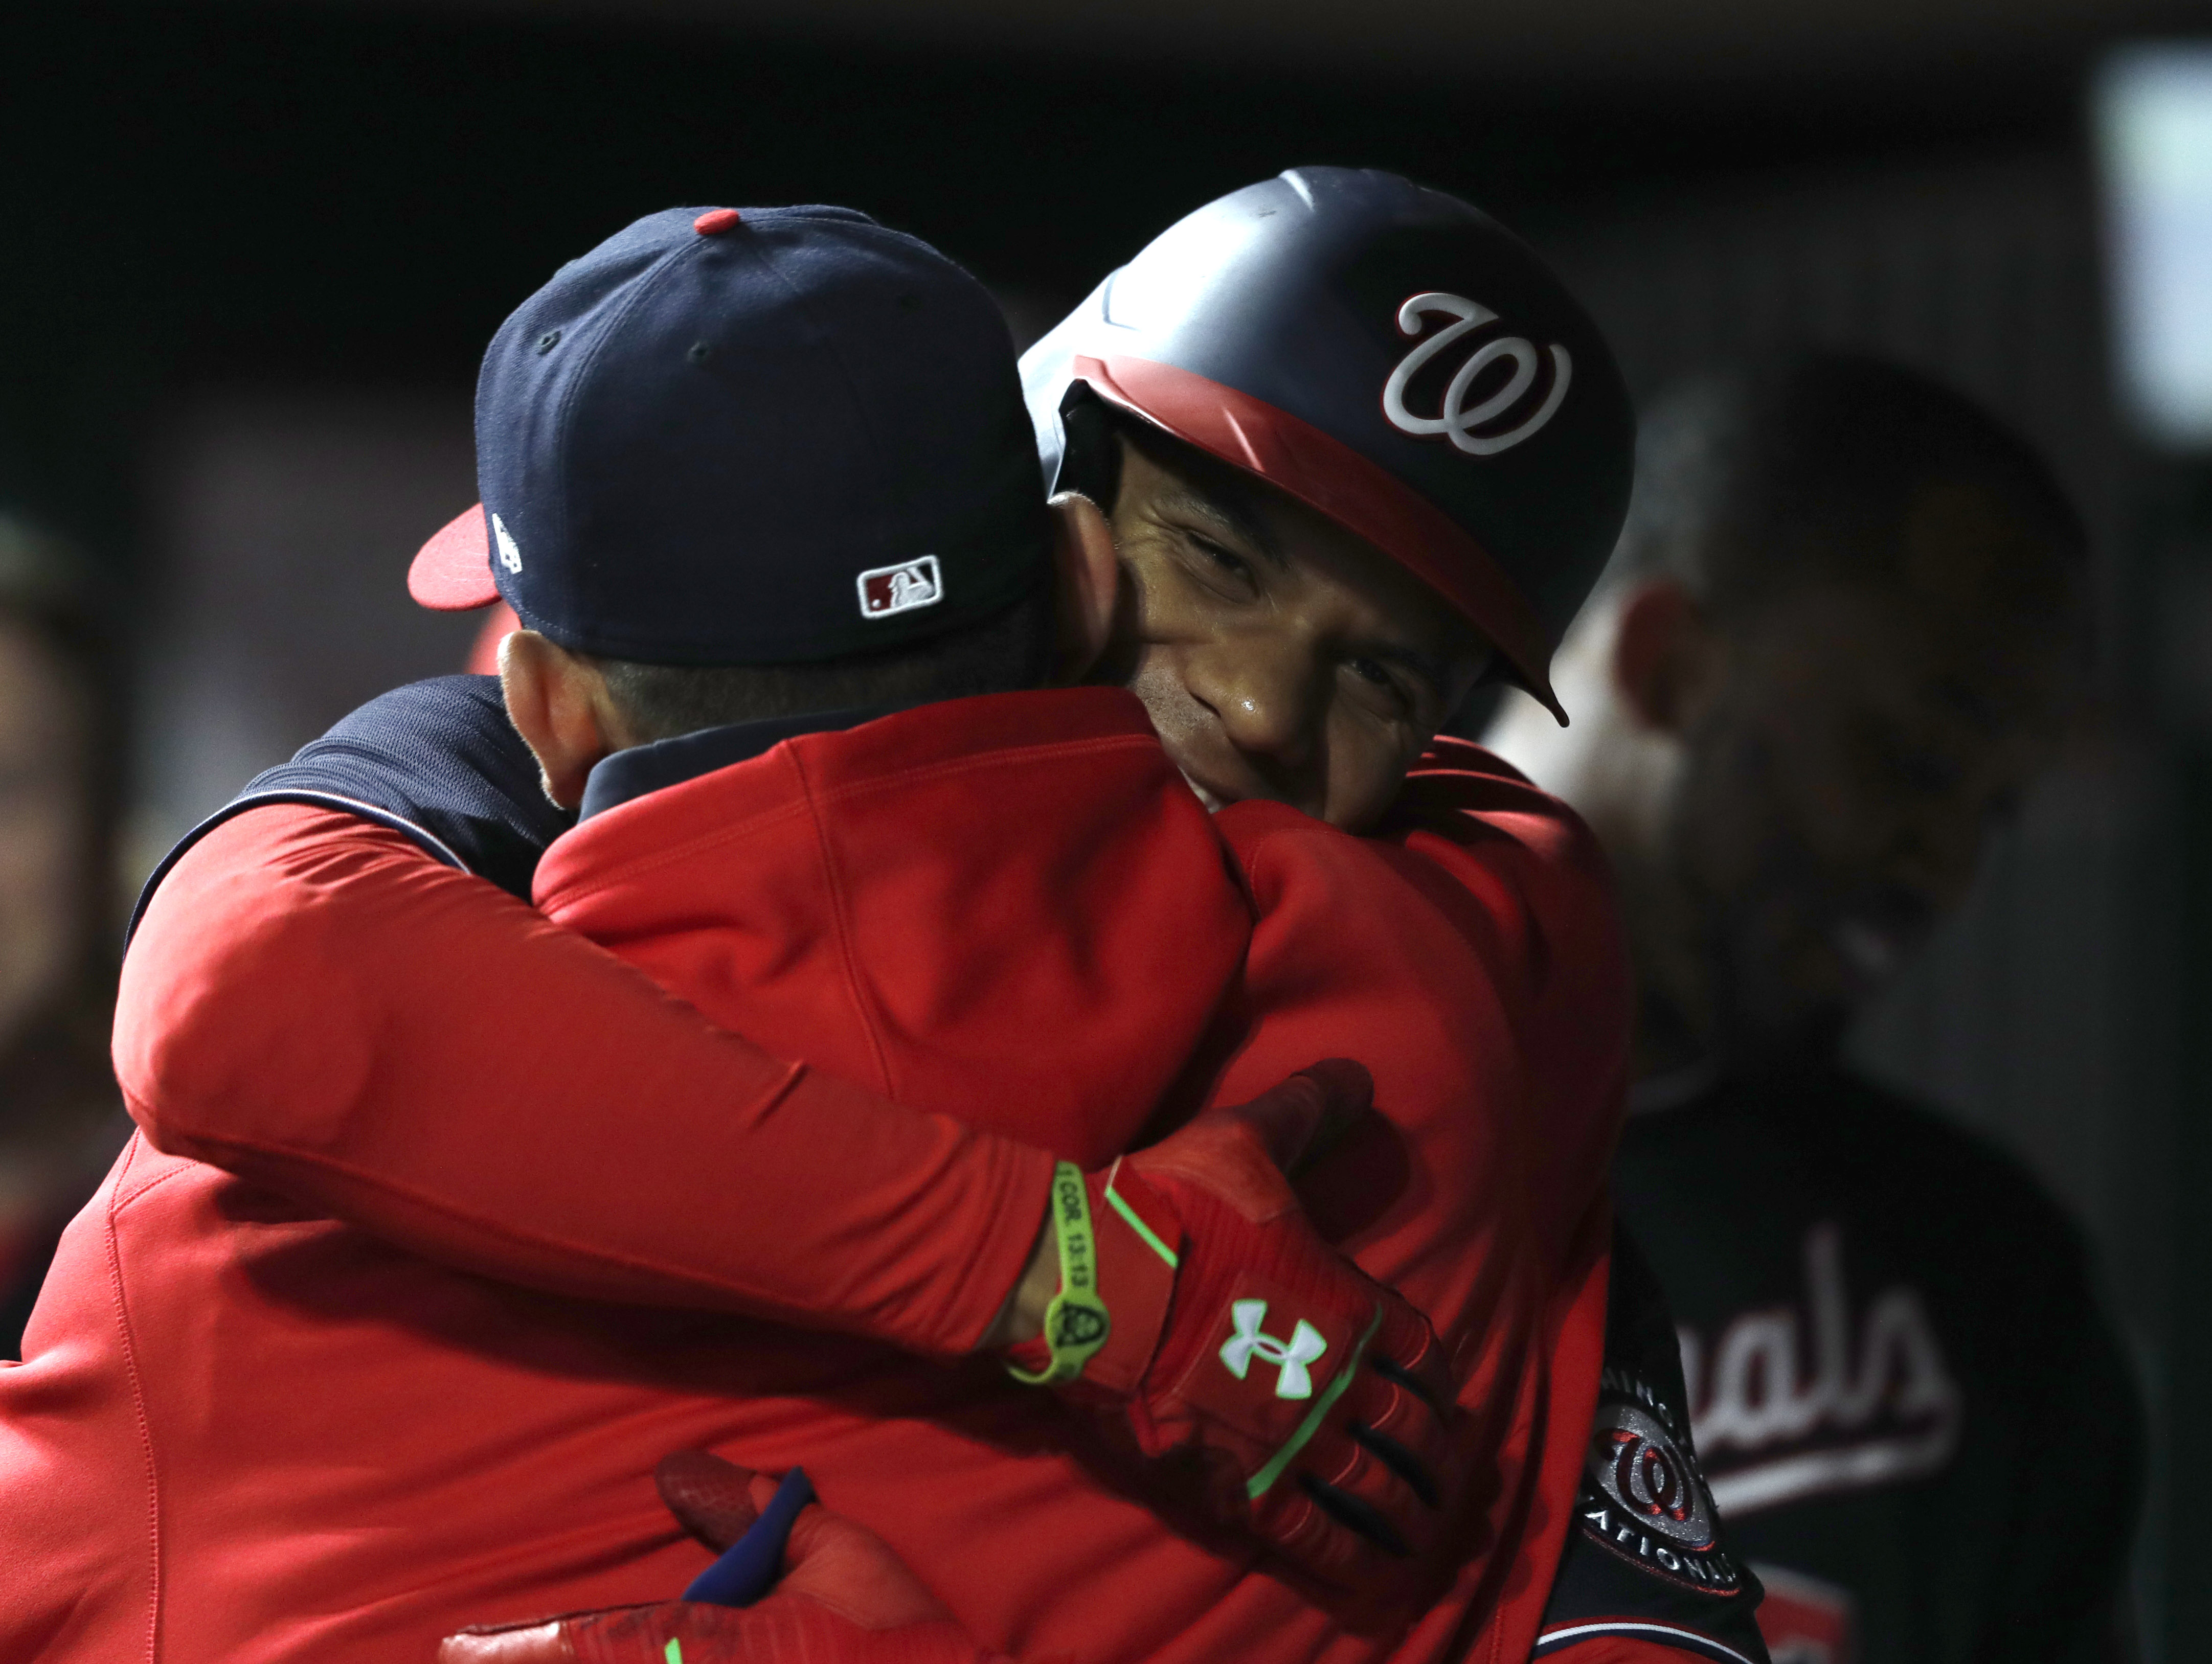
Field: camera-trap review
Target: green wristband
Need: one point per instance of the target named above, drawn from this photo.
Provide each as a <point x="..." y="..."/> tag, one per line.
<point x="1076" y="1323"/>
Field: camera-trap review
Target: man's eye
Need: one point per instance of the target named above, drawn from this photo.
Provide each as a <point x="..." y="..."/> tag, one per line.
<point x="1378" y="676"/>
<point x="1221" y="557"/>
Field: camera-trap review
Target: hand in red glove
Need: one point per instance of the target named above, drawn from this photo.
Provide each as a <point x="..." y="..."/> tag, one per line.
<point x="1202" y="1312"/>
<point x="844" y="1598"/>
<point x="1199" y="1307"/>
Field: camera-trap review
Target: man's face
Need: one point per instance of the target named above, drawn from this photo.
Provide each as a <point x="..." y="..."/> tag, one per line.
<point x="1279" y="656"/>
<point x="1838" y="791"/>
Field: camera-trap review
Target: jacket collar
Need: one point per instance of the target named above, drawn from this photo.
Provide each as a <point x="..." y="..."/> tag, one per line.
<point x="643" y="768"/>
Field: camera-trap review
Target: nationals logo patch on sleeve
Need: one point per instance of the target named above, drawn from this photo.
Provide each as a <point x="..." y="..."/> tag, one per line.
<point x="1643" y="1494"/>
<point x="1646" y="1558"/>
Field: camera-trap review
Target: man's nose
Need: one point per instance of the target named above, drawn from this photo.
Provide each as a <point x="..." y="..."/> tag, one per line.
<point x="1266" y="701"/>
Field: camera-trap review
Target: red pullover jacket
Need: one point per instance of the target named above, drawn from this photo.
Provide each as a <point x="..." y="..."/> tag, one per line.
<point x="340" y="1450"/>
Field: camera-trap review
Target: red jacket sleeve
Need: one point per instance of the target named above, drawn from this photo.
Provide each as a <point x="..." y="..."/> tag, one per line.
<point x="313" y="1003"/>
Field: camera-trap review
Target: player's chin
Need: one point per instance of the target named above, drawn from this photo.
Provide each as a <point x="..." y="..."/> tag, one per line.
<point x="1208" y="766"/>
<point x="1215" y="785"/>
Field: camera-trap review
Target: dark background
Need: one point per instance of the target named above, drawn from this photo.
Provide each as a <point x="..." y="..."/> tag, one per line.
<point x="251" y="254"/>
<point x="200" y="193"/>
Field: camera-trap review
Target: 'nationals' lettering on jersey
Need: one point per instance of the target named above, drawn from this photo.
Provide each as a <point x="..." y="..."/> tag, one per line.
<point x="1813" y="1405"/>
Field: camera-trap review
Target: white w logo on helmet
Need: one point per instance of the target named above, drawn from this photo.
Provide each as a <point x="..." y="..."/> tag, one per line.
<point x="1455" y="418"/>
<point x="1305" y="1345"/>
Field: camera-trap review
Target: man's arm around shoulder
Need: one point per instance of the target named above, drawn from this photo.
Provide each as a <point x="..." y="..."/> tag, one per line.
<point x="315" y="1003"/>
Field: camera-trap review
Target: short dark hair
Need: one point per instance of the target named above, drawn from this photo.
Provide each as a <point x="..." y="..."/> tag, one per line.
<point x="1752" y="479"/>
<point x="1091" y="461"/>
<point x="1011" y="649"/>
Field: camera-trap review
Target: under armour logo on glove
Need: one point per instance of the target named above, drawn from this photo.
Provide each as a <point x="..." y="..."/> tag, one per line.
<point x="1292" y="1379"/>
<point x="1343" y="1456"/>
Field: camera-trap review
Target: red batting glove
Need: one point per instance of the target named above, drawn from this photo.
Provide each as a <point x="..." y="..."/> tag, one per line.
<point x="845" y="1598"/>
<point x="1316" y="1399"/>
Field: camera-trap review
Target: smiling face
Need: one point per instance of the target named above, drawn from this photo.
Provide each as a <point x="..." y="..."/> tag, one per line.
<point x="1279" y="656"/>
<point x="1837" y="789"/>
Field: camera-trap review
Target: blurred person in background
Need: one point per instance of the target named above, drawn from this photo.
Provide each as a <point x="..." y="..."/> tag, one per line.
<point x="61" y="1121"/>
<point x="1844" y="629"/>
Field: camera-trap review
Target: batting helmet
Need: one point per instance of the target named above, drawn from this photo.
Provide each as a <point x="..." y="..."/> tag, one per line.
<point x="1388" y="356"/>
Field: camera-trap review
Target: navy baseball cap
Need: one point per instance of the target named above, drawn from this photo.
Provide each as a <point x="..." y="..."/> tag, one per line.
<point x="748" y="436"/>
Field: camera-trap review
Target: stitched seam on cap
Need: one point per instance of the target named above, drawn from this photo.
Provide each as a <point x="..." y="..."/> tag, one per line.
<point x="668" y="263"/>
<point x="836" y="351"/>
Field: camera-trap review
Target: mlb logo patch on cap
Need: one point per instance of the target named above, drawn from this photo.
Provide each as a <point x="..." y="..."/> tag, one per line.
<point x="612" y="402"/>
<point x="885" y="589"/>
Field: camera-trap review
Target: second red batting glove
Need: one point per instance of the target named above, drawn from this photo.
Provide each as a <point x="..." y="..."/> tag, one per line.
<point x="843" y="1597"/>
<point x="1199" y="1307"/>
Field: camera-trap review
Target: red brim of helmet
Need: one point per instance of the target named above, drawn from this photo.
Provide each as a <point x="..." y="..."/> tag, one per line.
<point x="451" y="573"/>
<point x="1333" y="479"/>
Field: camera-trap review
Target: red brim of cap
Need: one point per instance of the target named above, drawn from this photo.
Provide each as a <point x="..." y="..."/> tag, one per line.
<point x="452" y="572"/>
<point x="1329" y="476"/>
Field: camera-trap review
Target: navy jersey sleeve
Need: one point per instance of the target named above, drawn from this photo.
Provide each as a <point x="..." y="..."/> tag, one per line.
<point x="1646" y="1558"/>
<point x="436" y="761"/>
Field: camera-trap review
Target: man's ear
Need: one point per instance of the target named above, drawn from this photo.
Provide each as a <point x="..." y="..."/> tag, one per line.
<point x="554" y="700"/>
<point x="1666" y="655"/>
<point x="1089" y="579"/>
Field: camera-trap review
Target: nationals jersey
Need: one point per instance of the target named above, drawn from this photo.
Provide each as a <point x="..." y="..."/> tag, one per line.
<point x="1909" y="1408"/>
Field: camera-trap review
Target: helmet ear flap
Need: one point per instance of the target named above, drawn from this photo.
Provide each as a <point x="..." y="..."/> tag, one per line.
<point x="1090" y="457"/>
